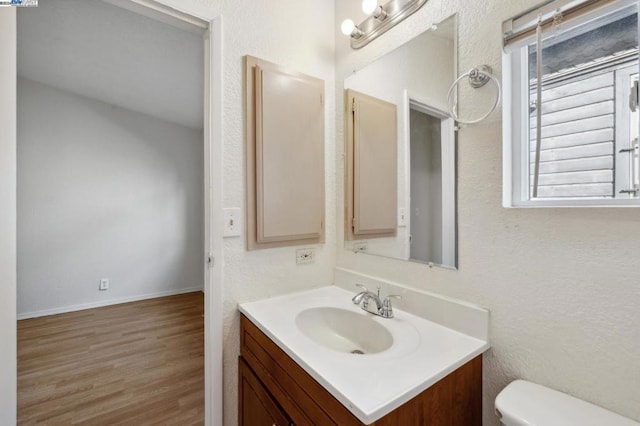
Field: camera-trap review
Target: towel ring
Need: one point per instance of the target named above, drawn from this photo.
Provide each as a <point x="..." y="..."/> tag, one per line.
<point x="478" y="77"/>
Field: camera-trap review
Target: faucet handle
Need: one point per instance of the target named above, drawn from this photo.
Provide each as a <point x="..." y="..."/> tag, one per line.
<point x="387" y="309"/>
<point x="387" y="300"/>
<point x="358" y="297"/>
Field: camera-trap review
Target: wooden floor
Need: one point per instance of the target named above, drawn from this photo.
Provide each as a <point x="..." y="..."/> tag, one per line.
<point x="139" y="363"/>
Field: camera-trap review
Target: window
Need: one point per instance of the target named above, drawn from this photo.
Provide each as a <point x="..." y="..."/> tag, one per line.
<point x="571" y="120"/>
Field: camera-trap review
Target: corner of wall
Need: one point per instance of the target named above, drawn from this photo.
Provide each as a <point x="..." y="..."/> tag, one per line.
<point x="8" y="370"/>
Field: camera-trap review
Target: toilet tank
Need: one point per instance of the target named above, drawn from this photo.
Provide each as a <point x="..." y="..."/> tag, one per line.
<point x="524" y="403"/>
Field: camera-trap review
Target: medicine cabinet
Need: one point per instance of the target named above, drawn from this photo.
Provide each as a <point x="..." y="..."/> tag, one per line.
<point x="285" y="156"/>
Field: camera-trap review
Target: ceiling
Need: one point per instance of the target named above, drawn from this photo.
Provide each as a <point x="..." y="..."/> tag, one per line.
<point x="105" y="52"/>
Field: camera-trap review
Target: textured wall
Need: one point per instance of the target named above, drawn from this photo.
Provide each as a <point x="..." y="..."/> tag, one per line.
<point x="562" y="284"/>
<point x="297" y="34"/>
<point x="7" y="216"/>
<point x="104" y="192"/>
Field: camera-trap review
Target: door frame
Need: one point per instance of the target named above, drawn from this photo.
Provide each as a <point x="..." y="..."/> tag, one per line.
<point x="8" y="258"/>
<point x="449" y="189"/>
<point x="213" y="260"/>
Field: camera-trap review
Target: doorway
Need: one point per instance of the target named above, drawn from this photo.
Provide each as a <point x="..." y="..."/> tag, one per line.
<point x="432" y="178"/>
<point x="211" y="199"/>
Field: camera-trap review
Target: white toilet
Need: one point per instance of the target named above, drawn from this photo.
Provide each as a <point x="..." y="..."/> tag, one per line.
<point x="524" y="403"/>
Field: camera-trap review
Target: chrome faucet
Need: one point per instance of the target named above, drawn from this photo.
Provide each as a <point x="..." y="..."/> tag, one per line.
<point x="383" y="308"/>
<point x="358" y="297"/>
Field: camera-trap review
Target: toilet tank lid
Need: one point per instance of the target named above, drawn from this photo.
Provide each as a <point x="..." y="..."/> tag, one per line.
<point x="524" y="403"/>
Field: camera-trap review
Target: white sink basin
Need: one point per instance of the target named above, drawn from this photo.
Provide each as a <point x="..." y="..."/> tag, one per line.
<point x="404" y="355"/>
<point x="344" y="331"/>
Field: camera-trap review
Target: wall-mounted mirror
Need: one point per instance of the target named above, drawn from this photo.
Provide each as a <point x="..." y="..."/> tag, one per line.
<point x="401" y="145"/>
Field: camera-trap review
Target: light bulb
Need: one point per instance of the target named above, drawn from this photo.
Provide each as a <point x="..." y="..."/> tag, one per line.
<point x="347" y="27"/>
<point x="368" y="6"/>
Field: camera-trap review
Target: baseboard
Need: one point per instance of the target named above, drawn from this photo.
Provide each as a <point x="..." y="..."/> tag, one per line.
<point x="83" y="306"/>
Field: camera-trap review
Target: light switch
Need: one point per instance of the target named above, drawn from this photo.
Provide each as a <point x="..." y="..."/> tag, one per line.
<point x="402" y="217"/>
<point x="232" y="222"/>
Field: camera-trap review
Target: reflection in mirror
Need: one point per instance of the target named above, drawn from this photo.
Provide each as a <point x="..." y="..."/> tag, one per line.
<point x="414" y="78"/>
<point x="432" y="186"/>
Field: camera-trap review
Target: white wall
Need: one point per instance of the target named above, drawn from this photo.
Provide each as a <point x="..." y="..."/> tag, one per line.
<point x="298" y="34"/>
<point x="103" y="192"/>
<point x="561" y="284"/>
<point x="7" y="216"/>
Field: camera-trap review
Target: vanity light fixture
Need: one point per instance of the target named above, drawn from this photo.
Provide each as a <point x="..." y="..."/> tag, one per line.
<point x="349" y="28"/>
<point x="368" y="6"/>
<point x="379" y="13"/>
<point x="371" y="7"/>
<point x="381" y="19"/>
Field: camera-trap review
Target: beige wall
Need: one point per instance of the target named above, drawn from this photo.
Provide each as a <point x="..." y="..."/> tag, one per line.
<point x="562" y="284"/>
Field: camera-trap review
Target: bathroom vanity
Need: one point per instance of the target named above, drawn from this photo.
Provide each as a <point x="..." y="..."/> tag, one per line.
<point x="316" y="358"/>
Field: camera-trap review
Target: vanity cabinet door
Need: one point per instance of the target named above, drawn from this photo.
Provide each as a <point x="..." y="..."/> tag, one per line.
<point x="256" y="407"/>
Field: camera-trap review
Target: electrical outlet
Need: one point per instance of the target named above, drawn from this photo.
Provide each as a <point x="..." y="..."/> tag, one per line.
<point x="104" y="284"/>
<point x="360" y="247"/>
<point x="305" y="256"/>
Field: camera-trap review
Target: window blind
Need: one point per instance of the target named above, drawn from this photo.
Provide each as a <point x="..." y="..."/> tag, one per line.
<point x="521" y="30"/>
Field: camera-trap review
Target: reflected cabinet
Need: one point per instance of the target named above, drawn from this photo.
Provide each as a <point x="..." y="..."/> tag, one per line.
<point x="371" y="167"/>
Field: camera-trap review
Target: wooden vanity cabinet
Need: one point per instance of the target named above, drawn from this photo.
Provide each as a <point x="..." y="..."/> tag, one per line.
<point x="274" y="389"/>
<point x="257" y="406"/>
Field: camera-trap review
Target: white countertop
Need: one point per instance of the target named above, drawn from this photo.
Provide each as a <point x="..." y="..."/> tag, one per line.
<point x="371" y="385"/>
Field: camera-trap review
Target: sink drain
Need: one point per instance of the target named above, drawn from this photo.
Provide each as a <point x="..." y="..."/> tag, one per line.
<point x="357" y="352"/>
